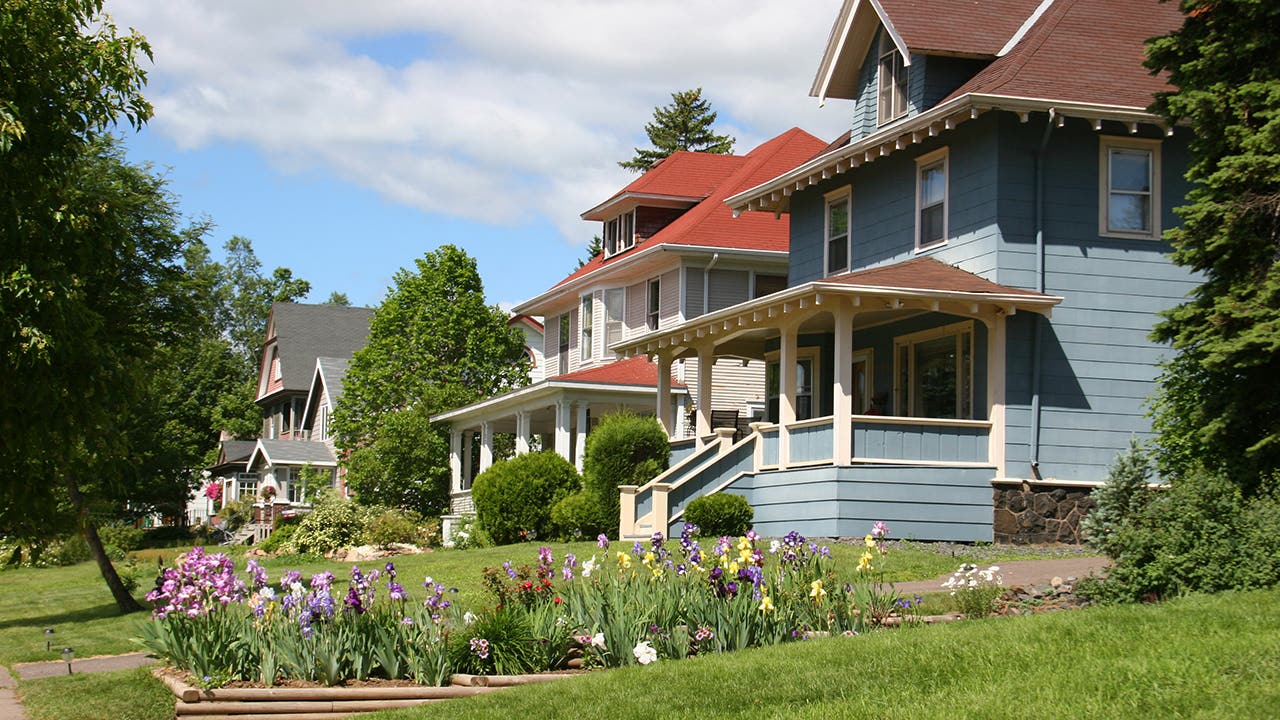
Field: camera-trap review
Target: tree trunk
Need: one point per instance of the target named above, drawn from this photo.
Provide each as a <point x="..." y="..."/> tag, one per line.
<point x="124" y="600"/>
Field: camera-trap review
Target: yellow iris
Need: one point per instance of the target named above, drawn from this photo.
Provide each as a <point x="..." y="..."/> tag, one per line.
<point x="733" y="567"/>
<point x="864" y="562"/>
<point x="870" y="541"/>
<point x="649" y="558"/>
<point x="624" y="560"/>
<point x="815" y="591"/>
<point x="766" y="605"/>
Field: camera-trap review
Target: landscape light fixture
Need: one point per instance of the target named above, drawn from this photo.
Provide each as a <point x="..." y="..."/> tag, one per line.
<point x="48" y="639"/>
<point x="68" y="654"/>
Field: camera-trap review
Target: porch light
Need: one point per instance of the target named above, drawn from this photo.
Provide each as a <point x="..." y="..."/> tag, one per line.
<point x="68" y="654"/>
<point x="48" y="639"/>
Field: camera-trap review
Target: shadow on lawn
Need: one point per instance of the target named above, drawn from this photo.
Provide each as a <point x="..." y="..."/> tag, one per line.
<point x="98" y="612"/>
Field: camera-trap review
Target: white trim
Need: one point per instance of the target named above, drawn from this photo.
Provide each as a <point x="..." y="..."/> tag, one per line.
<point x="830" y="199"/>
<point x="586" y="328"/>
<point x="924" y="162"/>
<point x="1024" y="28"/>
<point x="904" y="399"/>
<point x="548" y="387"/>
<point x="926" y="463"/>
<point x="896" y="54"/>
<point x="813" y="354"/>
<point x="1106" y="143"/>
<point x="1052" y="481"/>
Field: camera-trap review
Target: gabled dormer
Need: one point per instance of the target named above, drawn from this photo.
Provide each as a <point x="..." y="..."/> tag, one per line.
<point x="895" y="61"/>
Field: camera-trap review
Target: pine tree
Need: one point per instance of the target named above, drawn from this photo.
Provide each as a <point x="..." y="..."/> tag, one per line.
<point x="685" y="124"/>
<point x="1219" y="402"/>
<point x="594" y="248"/>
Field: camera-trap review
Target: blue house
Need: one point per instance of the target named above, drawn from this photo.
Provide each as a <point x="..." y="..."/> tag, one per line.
<point x="962" y="347"/>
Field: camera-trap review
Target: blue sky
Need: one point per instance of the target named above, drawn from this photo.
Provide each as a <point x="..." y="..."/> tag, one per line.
<point x="347" y="139"/>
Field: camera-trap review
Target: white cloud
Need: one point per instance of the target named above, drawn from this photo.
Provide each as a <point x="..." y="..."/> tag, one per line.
<point x="515" y="111"/>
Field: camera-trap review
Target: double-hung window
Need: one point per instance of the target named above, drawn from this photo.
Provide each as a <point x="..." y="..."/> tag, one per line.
<point x="931" y="199"/>
<point x="586" y="326"/>
<point x="1129" y="184"/>
<point x="655" y="303"/>
<point x="837" y="231"/>
<point x="613" y="314"/>
<point x="805" y="368"/>
<point x="619" y="233"/>
<point x="892" y="83"/>
<point x="246" y="485"/>
<point x="934" y="373"/>
<point x="566" y="327"/>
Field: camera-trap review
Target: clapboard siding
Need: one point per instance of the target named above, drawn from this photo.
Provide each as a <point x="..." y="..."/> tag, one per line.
<point x="927" y="503"/>
<point x="669" y="298"/>
<point x="636" y="306"/>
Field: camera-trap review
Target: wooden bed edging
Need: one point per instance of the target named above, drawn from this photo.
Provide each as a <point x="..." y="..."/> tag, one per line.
<point x="500" y="681"/>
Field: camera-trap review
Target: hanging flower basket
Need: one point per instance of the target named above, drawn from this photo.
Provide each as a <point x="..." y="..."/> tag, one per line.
<point x="268" y="492"/>
<point x="213" y="490"/>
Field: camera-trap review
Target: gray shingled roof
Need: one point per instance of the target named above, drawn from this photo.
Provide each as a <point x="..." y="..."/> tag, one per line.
<point x="306" y="332"/>
<point x="333" y="370"/>
<point x="296" y="452"/>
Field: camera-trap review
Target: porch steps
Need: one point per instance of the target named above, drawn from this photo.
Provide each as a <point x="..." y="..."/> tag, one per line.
<point x="242" y="535"/>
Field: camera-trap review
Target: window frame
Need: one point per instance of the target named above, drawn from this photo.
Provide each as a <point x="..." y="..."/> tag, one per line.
<point x="619" y="233"/>
<point x="867" y="356"/>
<point x="586" y="326"/>
<point x="564" y="328"/>
<point x="904" y="398"/>
<point x="618" y="323"/>
<point x="1108" y="143"/>
<point x="773" y="369"/>
<point x="653" y="303"/>
<point x="831" y="200"/>
<point x="899" y="86"/>
<point x="928" y="161"/>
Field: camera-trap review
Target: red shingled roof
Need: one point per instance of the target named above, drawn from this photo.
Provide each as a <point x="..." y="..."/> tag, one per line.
<point x="710" y="223"/>
<point x="926" y="274"/>
<point x="1088" y="51"/>
<point x="636" y="370"/>
<point x="957" y="27"/>
<point x="685" y="174"/>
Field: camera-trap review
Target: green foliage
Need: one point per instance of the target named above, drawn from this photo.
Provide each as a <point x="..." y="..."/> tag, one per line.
<point x="720" y="514"/>
<point x="236" y="513"/>
<point x="71" y="550"/>
<point x="280" y="539"/>
<point x="392" y="526"/>
<point x="594" y="248"/>
<point x="337" y="298"/>
<point x="685" y="124"/>
<point x="578" y="516"/>
<point x="514" y="497"/>
<point x="1200" y="535"/>
<point x="433" y="345"/>
<point x="402" y="466"/>
<point x="1218" y="401"/>
<point x="125" y="537"/>
<point x="469" y="535"/>
<point x="508" y="644"/>
<point x="334" y="522"/>
<point x="624" y="449"/>
<point x="1126" y="494"/>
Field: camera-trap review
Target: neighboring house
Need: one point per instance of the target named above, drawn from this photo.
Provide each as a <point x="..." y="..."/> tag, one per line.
<point x="534" y="338"/>
<point x="304" y="359"/>
<point x="232" y="471"/>
<point x="975" y="269"/>
<point x="672" y="251"/>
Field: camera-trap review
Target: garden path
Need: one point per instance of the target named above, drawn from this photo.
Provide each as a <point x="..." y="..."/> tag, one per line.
<point x="31" y="671"/>
<point x="10" y="709"/>
<point x="1024" y="573"/>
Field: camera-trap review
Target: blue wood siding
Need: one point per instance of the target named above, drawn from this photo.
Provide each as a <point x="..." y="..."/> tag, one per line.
<point x="919" y="442"/>
<point x="681" y="449"/>
<point x="811" y="443"/>
<point x="1098" y="363"/>
<point x="883" y="200"/>
<point x="925" y="503"/>
<point x="930" y="78"/>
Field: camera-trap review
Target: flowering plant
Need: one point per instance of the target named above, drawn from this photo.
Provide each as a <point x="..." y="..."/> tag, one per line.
<point x="268" y="492"/>
<point x="213" y="490"/>
<point x="975" y="590"/>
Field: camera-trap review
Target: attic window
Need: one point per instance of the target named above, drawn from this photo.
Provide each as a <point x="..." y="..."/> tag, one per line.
<point x="619" y="234"/>
<point x="892" y="82"/>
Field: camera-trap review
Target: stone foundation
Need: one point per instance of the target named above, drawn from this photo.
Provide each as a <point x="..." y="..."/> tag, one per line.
<point x="1041" y="514"/>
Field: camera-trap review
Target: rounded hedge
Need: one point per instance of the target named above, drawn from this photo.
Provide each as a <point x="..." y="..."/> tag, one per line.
<point x="624" y="449"/>
<point x="578" y="516"/>
<point x="516" y="496"/>
<point x="720" y="514"/>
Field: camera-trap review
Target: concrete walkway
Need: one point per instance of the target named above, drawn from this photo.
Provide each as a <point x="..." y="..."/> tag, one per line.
<point x="1022" y="573"/>
<point x="9" y="707"/>
<point x="31" y="671"/>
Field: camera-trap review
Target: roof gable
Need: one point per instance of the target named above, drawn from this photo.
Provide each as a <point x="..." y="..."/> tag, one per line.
<point x="306" y="332"/>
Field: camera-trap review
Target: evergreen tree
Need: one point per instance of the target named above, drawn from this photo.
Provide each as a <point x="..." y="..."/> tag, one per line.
<point x="1219" y="402"/>
<point x="338" y="298"/>
<point x="685" y="124"/>
<point x="594" y="248"/>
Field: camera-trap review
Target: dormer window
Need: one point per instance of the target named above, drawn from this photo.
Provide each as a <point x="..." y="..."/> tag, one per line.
<point x="892" y="81"/>
<point x="620" y="233"/>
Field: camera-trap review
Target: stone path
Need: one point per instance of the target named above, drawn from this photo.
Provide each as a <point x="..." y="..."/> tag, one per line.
<point x="1024" y="573"/>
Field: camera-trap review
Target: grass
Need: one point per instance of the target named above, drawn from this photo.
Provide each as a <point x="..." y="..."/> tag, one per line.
<point x="119" y="695"/>
<point x="1203" y="656"/>
<point x="75" y="601"/>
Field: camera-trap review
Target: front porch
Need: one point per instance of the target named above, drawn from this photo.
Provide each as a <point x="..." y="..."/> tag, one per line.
<point x="886" y="401"/>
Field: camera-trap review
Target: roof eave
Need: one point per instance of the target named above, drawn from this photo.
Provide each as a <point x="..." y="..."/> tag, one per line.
<point x="537" y="390"/>
<point x="774" y="195"/>
<point x="612" y="207"/>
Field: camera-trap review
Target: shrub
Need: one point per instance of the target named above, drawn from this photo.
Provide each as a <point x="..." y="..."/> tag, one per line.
<point x="125" y="537"/>
<point x="71" y="550"/>
<point x="1125" y="495"/>
<point x="624" y="449"/>
<point x="514" y="497"/>
<point x="391" y="526"/>
<point x="1199" y="535"/>
<point x="469" y="534"/>
<point x="334" y="522"/>
<point x="280" y="539"/>
<point x="720" y="514"/>
<point x="578" y="516"/>
<point x="237" y="514"/>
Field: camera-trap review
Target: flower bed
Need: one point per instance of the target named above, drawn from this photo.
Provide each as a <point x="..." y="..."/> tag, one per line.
<point x="655" y="601"/>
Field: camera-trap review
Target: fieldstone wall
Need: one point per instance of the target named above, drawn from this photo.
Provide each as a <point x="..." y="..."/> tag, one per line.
<point x="1040" y="514"/>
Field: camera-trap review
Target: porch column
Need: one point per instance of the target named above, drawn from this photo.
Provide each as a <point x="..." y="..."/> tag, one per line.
<point x="706" y="363"/>
<point x="580" y="439"/>
<point x="522" y="432"/>
<point x="996" y="338"/>
<point x="664" y="393"/>
<point x="468" y="439"/>
<point x="486" y="445"/>
<point x="787" y="392"/>
<point x="455" y="461"/>
<point x="562" y="429"/>
<point x="842" y="393"/>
